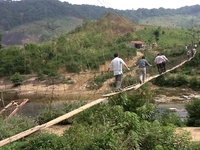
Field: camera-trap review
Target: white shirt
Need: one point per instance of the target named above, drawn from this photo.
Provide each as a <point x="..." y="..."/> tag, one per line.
<point x="116" y="64"/>
<point x="159" y="59"/>
<point x="165" y="58"/>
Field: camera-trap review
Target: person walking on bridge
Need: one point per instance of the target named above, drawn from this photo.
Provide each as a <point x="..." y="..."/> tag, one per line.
<point x="116" y="64"/>
<point x="158" y="60"/>
<point x="142" y="63"/>
<point x="164" y="62"/>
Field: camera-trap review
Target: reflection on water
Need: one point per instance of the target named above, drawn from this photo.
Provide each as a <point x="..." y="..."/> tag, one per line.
<point x="179" y="108"/>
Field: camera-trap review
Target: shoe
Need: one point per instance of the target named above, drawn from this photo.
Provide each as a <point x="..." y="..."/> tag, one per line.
<point x="118" y="90"/>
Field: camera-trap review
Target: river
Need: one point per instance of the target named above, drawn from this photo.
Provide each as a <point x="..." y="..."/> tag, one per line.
<point x="37" y="103"/>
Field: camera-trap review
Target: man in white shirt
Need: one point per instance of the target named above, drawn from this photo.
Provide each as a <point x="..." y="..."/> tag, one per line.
<point x="158" y="60"/>
<point x="116" y="64"/>
<point x="164" y="62"/>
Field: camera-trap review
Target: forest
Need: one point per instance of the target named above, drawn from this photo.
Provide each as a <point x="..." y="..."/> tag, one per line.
<point x="34" y="21"/>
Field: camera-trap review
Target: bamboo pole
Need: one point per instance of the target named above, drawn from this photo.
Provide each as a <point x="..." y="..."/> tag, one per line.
<point x="7" y="106"/>
<point x="50" y="123"/>
<point x="17" y="108"/>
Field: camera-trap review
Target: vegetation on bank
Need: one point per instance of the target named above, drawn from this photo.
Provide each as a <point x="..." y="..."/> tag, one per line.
<point x="89" y="46"/>
<point x="126" y="122"/>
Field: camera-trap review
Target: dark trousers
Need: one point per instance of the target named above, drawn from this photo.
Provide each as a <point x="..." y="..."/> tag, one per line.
<point x="159" y="66"/>
<point x="118" y="79"/>
<point x="163" y="66"/>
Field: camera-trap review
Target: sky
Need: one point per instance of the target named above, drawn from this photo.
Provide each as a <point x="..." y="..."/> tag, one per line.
<point x="135" y="4"/>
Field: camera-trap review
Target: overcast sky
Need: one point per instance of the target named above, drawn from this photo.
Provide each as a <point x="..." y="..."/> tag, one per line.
<point x="135" y="4"/>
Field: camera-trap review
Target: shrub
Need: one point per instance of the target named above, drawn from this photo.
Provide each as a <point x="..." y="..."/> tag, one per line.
<point x="193" y="110"/>
<point x="14" y="125"/>
<point x="40" y="141"/>
<point x="50" y="112"/>
<point x="195" y="83"/>
<point x="16" y="79"/>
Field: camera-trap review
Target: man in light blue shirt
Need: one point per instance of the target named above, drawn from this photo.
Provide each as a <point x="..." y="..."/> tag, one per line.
<point x="116" y="64"/>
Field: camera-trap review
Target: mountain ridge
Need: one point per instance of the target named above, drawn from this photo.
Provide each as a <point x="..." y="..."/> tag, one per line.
<point x="50" y="16"/>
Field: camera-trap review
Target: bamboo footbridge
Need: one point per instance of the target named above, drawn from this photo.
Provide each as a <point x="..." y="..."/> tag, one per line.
<point x="80" y="109"/>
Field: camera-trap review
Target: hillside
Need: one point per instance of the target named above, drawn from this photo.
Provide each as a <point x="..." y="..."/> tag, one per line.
<point x="90" y="45"/>
<point x="34" y="21"/>
<point x="39" y="31"/>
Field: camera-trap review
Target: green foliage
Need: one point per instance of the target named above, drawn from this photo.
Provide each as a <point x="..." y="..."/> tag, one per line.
<point x="173" y="40"/>
<point x="87" y="49"/>
<point x="195" y="83"/>
<point x="172" y="80"/>
<point x="51" y="112"/>
<point x="179" y="80"/>
<point x="99" y="80"/>
<point x="14" y="59"/>
<point x="41" y="141"/>
<point x="129" y="80"/>
<point x="111" y="126"/>
<point x="17" y="79"/>
<point x="193" y="109"/>
<point x="14" y="125"/>
<point x="157" y="34"/>
<point x="195" y="61"/>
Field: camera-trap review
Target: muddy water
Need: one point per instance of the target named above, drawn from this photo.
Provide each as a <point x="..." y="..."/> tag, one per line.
<point x="179" y="108"/>
<point x="37" y="103"/>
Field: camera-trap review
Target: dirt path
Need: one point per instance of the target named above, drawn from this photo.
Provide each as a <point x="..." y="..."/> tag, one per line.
<point x="79" y="86"/>
<point x="129" y="63"/>
<point x="194" y="131"/>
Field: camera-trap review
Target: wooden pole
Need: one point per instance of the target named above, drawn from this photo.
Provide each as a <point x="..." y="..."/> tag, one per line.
<point x="7" y="106"/>
<point x="18" y="107"/>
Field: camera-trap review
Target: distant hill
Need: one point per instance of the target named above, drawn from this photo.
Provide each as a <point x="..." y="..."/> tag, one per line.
<point x="37" y="21"/>
<point x="39" y="31"/>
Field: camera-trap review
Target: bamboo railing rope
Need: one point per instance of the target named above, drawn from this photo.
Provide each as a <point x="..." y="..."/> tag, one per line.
<point x="136" y="86"/>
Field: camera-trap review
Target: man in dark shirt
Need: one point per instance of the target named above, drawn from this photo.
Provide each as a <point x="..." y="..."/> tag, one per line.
<point x="142" y="63"/>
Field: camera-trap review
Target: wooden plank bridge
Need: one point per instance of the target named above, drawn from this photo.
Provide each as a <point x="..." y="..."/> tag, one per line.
<point x="80" y="109"/>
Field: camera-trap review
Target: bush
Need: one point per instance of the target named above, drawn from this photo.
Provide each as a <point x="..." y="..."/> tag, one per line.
<point x="171" y="80"/>
<point x="40" y="141"/>
<point x="193" y="110"/>
<point x="14" y="125"/>
<point x="50" y="112"/>
<point x="195" y="83"/>
<point x="16" y="79"/>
